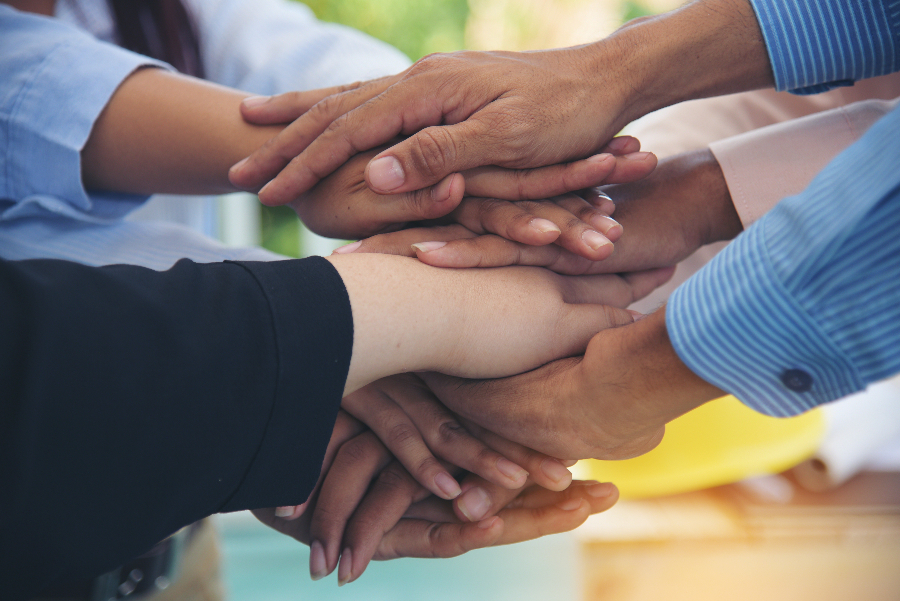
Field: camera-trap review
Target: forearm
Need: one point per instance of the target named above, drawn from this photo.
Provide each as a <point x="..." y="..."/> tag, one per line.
<point x="706" y="48"/>
<point x="164" y="132"/>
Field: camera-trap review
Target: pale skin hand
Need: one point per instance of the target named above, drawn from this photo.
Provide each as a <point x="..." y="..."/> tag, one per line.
<point x="683" y="205"/>
<point x="366" y="506"/>
<point x="514" y="110"/>
<point x="613" y="403"/>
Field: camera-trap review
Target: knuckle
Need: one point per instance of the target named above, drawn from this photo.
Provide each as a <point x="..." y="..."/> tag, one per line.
<point x="354" y="451"/>
<point x="432" y="150"/>
<point x="395" y="479"/>
<point x="403" y="436"/>
<point x="450" y="431"/>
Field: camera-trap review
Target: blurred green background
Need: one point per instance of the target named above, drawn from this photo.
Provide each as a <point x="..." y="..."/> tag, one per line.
<point x="424" y="26"/>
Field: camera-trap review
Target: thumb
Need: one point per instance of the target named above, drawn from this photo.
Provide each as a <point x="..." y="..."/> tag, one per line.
<point x="582" y="322"/>
<point x="429" y="156"/>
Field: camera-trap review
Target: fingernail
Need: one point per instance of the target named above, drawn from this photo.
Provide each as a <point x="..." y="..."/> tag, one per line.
<point x="600" y="158"/>
<point x="570" y="504"/>
<point x="474" y="503"/>
<point x="619" y="143"/>
<point x="441" y="192"/>
<point x="555" y="470"/>
<point x="318" y="567"/>
<point x="568" y="462"/>
<point x="347" y="248"/>
<point x="386" y="174"/>
<point x="487" y="523"/>
<point x="447" y="485"/>
<point x="345" y="568"/>
<point x="604" y="222"/>
<point x="425" y="247"/>
<point x="637" y="315"/>
<point x="237" y="166"/>
<point x="284" y="512"/>
<point x="511" y="470"/>
<point x="595" y="240"/>
<point x="544" y="225"/>
<point x="254" y="101"/>
<point x="600" y="490"/>
<point x="638" y="156"/>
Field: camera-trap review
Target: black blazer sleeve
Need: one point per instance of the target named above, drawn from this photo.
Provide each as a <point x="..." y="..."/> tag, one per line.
<point x="135" y="402"/>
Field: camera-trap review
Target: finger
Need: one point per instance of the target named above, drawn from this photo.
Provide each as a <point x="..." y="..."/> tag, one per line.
<point x="481" y="499"/>
<point x="622" y="145"/>
<point x="632" y="167"/>
<point x="400" y="434"/>
<point x="277" y="157"/>
<point x="430" y="155"/>
<point x="286" y="107"/>
<point x="387" y="500"/>
<point x="355" y="465"/>
<point x="420" y="538"/>
<point x="589" y="211"/>
<point x="643" y="283"/>
<point x="543" y="470"/>
<point x="455" y="444"/>
<point x="601" y="495"/>
<point x="539" y="183"/>
<point x="400" y="243"/>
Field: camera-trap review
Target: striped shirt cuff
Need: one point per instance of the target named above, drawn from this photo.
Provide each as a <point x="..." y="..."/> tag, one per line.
<point x="817" y="45"/>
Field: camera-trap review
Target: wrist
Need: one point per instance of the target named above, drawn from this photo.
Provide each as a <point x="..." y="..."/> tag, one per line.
<point x="705" y="48"/>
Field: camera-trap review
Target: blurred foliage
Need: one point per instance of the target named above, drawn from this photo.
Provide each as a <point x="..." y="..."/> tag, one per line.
<point x="632" y="9"/>
<point x="280" y="230"/>
<point x="416" y="27"/>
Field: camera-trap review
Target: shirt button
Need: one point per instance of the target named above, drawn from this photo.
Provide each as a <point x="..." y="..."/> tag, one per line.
<point x="797" y="380"/>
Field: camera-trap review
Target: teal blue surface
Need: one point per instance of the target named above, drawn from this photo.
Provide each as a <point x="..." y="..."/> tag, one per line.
<point x="263" y="565"/>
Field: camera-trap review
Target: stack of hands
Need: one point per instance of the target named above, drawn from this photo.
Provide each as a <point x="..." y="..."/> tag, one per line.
<point x="432" y="465"/>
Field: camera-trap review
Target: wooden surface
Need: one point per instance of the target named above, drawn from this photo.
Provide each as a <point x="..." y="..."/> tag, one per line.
<point x="737" y="543"/>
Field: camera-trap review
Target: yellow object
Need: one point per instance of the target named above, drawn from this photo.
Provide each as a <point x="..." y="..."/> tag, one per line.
<point x="720" y="442"/>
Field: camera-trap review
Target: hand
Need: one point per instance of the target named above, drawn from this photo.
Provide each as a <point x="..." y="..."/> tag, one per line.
<point x="515" y="110"/>
<point x="473" y="322"/>
<point x="412" y="424"/>
<point x="366" y="506"/>
<point x="613" y="403"/>
<point x="683" y="205"/>
<point x="341" y="206"/>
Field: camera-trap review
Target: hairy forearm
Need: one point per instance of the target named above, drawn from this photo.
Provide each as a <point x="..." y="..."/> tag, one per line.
<point x="705" y="48"/>
<point x="164" y="132"/>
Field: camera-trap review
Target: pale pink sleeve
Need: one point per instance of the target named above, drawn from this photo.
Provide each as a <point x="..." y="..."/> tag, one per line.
<point x="765" y="165"/>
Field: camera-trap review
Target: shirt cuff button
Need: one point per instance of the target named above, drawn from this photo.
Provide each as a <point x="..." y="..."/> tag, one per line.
<point x="797" y="380"/>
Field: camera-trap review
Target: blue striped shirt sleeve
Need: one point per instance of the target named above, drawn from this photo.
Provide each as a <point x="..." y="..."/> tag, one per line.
<point x="803" y="308"/>
<point x="816" y="45"/>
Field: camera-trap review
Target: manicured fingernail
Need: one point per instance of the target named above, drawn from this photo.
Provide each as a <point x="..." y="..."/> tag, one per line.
<point x="255" y="101"/>
<point x="347" y="248"/>
<point x="474" y="503"/>
<point x="595" y="240"/>
<point x="345" y="568"/>
<point x="386" y="174"/>
<point x="318" y="567"/>
<point x="600" y="158"/>
<point x="638" y="156"/>
<point x="600" y="490"/>
<point x="284" y="512"/>
<point x="544" y="225"/>
<point x="555" y="470"/>
<point x="447" y="485"/>
<point x="511" y="470"/>
<point x="424" y="247"/>
<point x="570" y="504"/>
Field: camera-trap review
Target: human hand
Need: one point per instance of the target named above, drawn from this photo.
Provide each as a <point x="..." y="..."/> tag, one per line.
<point x="514" y="109"/>
<point x="418" y="430"/>
<point x="683" y="205"/>
<point x="613" y="403"/>
<point x="473" y="322"/>
<point x="367" y="506"/>
<point x="342" y="206"/>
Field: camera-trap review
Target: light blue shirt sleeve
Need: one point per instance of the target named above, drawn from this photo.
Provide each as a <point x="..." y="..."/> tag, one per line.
<point x="803" y="307"/>
<point x="56" y="82"/>
<point x="816" y="45"/>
